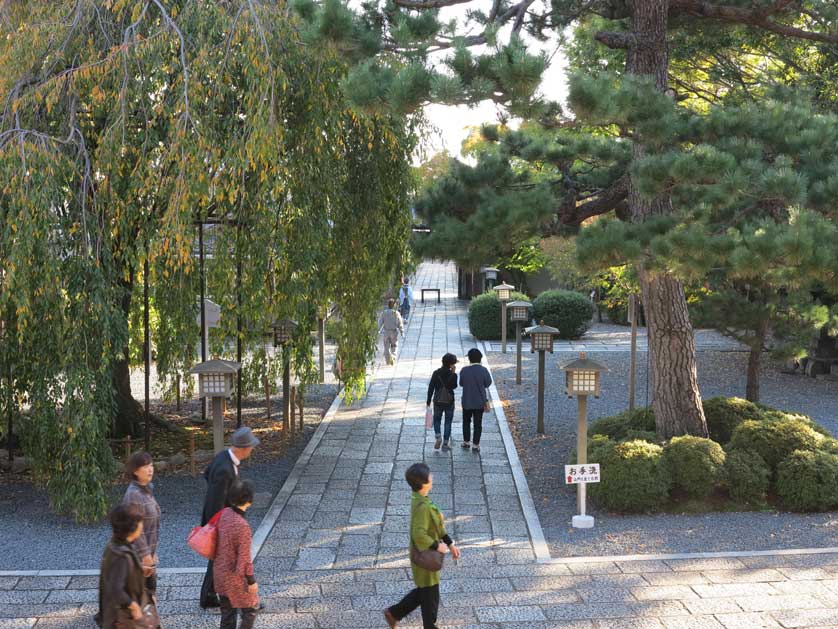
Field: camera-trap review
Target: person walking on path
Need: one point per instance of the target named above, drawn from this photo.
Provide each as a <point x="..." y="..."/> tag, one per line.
<point x="390" y="321"/>
<point x="233" y="567"/>
<point x="140" y="495"/>
<point x="220" y="475"/>
<point x="441" y="393"/>
<point x="405" y="298"/>
<point x="427" y="531"/>
<point x="123" y="598"/>
<point x="474" y="380"/>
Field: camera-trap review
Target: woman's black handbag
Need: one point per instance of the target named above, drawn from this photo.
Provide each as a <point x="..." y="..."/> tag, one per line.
<point x="428" y="559"/>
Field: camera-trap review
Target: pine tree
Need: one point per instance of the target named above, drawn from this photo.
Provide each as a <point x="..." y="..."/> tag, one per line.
<point x="639" y="103"/>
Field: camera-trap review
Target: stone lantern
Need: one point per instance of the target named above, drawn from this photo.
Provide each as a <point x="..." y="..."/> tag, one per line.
<point x="519" y="313"/>
<point x="541" y="340"/>
<point x="504" y="293"/>
<point x="215" y="382"/>
<point x="582" y="378"/>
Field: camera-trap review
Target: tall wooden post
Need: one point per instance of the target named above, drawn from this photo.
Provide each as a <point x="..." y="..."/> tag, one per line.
<point x="321" y="337"/>
<point x="581" y="446"/>
<point x="540" y="424"/>
<point x="518" y="349"/>
<point x="217" y="424"/>
<point x="633" y="363"/>
<point x="503" y="326"/>
<point x="147" y="352"/>
<point x="286" y="386"/>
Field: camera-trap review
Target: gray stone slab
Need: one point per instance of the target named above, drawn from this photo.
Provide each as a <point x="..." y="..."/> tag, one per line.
<point x="315" y="559"/>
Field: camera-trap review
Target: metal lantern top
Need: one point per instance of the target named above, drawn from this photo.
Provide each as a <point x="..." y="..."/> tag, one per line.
<point x="504" y="291"/>
<point x="541" y="337"/>
<point x="215" y="377"/>
<point x="520" y="310"/>
<point x="283" y="331"/>
<point x="490" y="272"/>
<point x="582" y="376"/>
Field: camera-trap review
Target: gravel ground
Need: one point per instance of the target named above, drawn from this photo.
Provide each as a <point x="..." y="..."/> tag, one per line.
<point x="543" y="458"/>
<point x="33" y="538"/>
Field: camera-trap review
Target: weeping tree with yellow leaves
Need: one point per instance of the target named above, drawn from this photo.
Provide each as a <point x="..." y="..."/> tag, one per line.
<point x="123" y="124"/>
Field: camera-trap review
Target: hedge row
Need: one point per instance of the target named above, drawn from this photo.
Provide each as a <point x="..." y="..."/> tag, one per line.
<point x="568" y="311"/>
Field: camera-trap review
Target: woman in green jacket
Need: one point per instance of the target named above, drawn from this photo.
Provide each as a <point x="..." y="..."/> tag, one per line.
<point x="427" y="530"/>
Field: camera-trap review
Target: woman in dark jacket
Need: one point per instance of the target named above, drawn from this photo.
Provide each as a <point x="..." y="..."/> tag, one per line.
<point x="441" y="393"/>
<point x="123" y="600"/>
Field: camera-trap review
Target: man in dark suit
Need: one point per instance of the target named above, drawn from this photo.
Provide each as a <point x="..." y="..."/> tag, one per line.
<point x="220" y="474"/>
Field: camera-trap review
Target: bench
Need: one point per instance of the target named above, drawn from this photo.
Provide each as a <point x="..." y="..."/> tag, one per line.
<point x="431" y="290"/>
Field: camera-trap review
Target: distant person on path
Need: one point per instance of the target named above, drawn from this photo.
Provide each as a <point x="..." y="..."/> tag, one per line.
<point x="441" y="393"/>
<point x="233" y="565"/>
<point x="427" y="531"/>
<point x="405" y="298"/>
<point x="390" y="321"/>
<point x="220" y="475"/>
<point x="474" y="380"/>
<point x="140" y="494"/>
<point x="123" y="598"/>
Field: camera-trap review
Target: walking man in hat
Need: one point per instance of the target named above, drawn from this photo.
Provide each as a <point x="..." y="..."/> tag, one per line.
<point x="391" y="326"/>
<point x="220" y="474"/>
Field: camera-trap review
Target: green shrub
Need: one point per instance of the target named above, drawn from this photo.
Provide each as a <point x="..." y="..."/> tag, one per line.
<point x="569" y="311"/>
<point x="617" y="427"/>
<point x="808" y="481"/>
<point x="632" y="477"/>
<point x="484" y="320"/>
<point x="726" y="413"/>
<point x="643" y="435"/>
<point x="775" y="440"/>
<point x="747" y="476"/>
<point x="694" y="464"/>
<point x="773" y="414"/>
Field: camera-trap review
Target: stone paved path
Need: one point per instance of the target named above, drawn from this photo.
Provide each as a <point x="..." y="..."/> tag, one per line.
<point x="336" y="556"/>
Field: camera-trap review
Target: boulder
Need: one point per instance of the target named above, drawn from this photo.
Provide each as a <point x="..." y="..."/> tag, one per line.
<point x="161" y="466"/>
<point x="21" y="464"/>
<point x="202" y="456"/>
<point x="177" y="459"/>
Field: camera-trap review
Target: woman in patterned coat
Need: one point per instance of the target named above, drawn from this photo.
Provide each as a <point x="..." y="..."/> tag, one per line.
<point x="233" y="575"/>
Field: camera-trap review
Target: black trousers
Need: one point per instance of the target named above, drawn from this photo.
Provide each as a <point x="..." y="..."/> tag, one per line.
<point x="477" y="415"/>
<point x="229" y="614"/>
<point x="208" y="596"/>
<point x="426" y="598"/>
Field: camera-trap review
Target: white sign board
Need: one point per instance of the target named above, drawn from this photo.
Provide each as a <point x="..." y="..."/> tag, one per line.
<point x="587" y="473"/>
<point x="213" y="314"/>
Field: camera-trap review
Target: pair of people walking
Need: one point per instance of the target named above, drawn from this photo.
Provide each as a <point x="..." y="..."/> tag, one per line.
<point x="229" y="582"/>
<point x="128" y="575"/>
<point x="473" y="380"/>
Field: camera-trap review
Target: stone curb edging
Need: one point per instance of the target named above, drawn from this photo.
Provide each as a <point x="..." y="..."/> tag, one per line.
<point x="539" y="544"/>
<point x="708" y="555"/>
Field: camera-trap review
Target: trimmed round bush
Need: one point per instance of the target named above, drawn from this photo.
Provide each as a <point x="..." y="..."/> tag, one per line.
<point x="484" y="316"/>
<point x="632" y="477"/>
<point x="775" y="440"/>
<point x="617" y="427"/>
<point x="808" y="481"/>
<point x="569" y="311"/>
<point x="694" y="464"/>
<point x="747" y="476"/>
<point x="726" y="413"/>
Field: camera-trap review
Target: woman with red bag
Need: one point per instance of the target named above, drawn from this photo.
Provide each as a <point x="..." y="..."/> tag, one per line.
<point x="233" y="575"/>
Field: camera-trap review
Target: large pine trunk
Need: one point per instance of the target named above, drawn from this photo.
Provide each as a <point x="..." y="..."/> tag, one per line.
<point x="676" y="399"/>
<point x="129" y="413"/>
<point x="755" y="361"/>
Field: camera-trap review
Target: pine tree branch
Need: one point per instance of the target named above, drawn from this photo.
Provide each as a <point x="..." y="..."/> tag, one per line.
<point x="612" y="198"/>
<point x="428" y="4"/>
<point x="758" y="18"/>
<point x="625" y="41"/>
